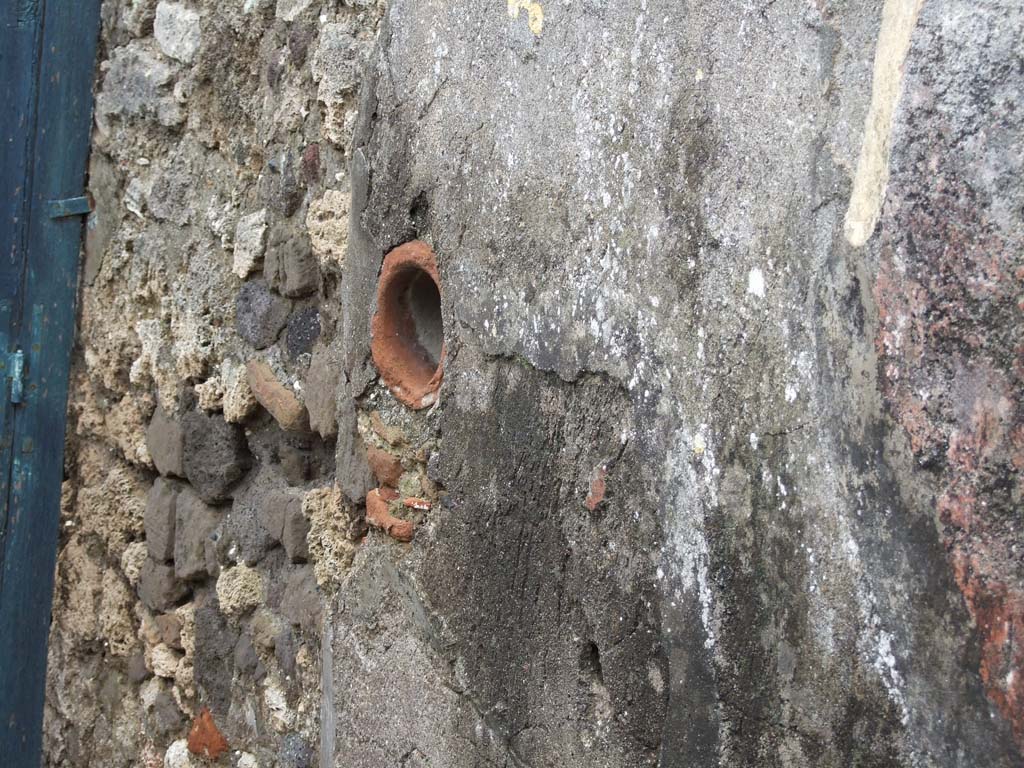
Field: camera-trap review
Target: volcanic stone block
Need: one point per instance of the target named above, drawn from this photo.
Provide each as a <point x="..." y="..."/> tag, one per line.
<point x="303" y="331"/>
<point x="260" y="314"/>
<point x="137" y="671"/>
<point x="244" y="531"/>
<point x="165" y="441"/>
<point x="215" y="651"/>
<point x="168" y="718"/>
<point x="297" y="463"/>
<point x="271" y="508"/>
<point x="194" y="523"/>
<point x="300" y="603"/>
<point x="293" y="537"/>
<point x="319" y="392"/>
<point x="159" y="519"/>
<point x="245" y="655"/>
<point x="216" y="455"/>
<point x="159" y="589"/>
<point x="285" y="648"/>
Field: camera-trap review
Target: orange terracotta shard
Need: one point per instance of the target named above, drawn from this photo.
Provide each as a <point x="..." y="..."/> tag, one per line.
<point x="377" y="515"/>
<point x="205" y="739"/>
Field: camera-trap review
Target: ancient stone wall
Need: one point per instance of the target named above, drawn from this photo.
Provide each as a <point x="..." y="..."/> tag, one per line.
<point x="200" y="523"/>
<point x="725" y="463"/>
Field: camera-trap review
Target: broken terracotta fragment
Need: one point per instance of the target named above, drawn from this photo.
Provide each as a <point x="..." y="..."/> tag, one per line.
<point x="205" y="739"/>
<point x="377" y="515"/>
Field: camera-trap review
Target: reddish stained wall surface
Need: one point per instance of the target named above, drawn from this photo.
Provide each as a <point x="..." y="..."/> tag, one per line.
<point x="949" y="296"/>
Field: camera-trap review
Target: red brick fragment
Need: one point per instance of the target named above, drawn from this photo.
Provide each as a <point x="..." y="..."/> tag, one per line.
<point x="204" y="738"/>
<point x="377" y="515"/>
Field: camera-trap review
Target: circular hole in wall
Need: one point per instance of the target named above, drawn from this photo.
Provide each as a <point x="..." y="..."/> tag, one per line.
<point x="407" y="332"/>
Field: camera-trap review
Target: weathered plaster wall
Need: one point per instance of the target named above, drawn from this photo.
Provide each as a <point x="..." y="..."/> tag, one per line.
<point x="725" y="467"/>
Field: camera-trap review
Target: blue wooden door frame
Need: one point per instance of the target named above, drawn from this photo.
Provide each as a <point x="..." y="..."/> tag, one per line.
<point x="47" y="65"/>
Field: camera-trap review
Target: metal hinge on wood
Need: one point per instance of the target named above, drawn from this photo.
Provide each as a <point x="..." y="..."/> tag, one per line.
<point x="72" y="206"/>
<point x="16" y="373"/>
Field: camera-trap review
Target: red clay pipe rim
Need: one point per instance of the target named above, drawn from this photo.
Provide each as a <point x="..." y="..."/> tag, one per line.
<point x="405" y="371"/>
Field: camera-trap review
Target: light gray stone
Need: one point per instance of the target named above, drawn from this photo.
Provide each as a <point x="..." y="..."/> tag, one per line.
<point x="250" y="242"/>
<point x="176" y="29"/>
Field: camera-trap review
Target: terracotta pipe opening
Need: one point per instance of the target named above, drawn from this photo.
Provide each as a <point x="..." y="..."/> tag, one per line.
<point x="407" y="333"/>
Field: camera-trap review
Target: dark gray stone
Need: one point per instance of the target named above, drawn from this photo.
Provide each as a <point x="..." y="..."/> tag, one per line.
<point x="303" y="331"/>
<point x="216" y="639"/>
<point x="158" y="588"/>
<point x="353" y="471"/>
<point x="260" y="314"/>
<point x="300" y="603"/>
<point x="169" y="198"/>
<point x="297" y="464"/>
<point x="245" y="655"/>
<point x="271" y="507"/>
<point x="137" y="670"/>
<point x="159" y="519"/>
<point x="285" y="647"/>
<point x="195" y="522"/>
<point x="216" y="455"/>
<point x="244" y="532"/>
<point x="293" y="536"/>
<point x="295" y="752"/>
<point x="165" y="440"/>
<point x="167" y="717"/>
<point x="214" y="554"/>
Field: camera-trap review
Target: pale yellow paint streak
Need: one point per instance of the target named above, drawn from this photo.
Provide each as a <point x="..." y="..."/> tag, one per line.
<point x="534" y="14"/>
<point x="898" y="20"/>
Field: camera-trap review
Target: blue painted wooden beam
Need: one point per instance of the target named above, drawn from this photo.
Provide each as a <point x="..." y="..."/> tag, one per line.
<point x="47" y="55"/>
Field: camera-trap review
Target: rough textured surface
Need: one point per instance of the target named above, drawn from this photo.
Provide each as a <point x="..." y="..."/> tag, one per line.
<point x="218" y="197"/>
<point x="660" y="298"/>
<point x="725" y="468"/>
<point x="216" y="456"/>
